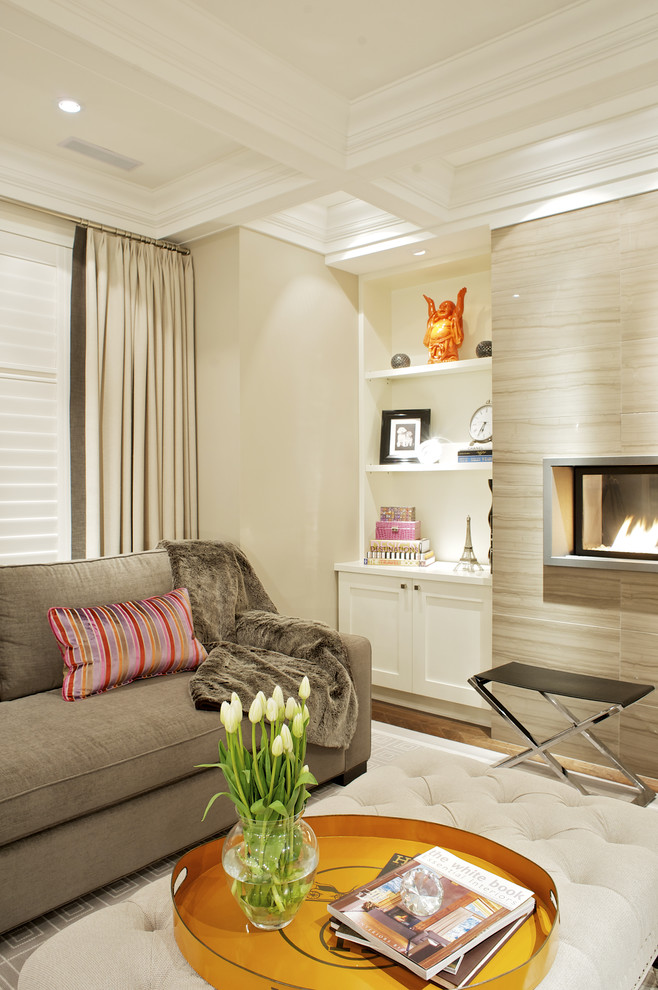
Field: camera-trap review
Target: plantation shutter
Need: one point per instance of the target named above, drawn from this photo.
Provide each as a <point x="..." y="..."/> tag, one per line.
<point x="34" y="477"/>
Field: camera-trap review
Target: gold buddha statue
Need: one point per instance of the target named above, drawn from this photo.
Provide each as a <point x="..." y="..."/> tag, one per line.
<point x="445" y="329"/>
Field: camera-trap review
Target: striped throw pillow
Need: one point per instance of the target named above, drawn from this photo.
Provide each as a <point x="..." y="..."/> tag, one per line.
<point x="108" y="645"/>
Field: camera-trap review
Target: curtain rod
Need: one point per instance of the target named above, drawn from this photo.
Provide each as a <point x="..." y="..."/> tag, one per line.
<point x="169" y="245"/>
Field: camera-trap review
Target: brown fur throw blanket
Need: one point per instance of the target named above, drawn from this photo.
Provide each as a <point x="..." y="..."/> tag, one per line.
<point x="252" y="647"/>
<point x="221" y="583"/>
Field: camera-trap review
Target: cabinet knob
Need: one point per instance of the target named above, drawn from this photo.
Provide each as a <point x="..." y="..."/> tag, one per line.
<point x="403" y="586"/>
<point x="416" y="587"/>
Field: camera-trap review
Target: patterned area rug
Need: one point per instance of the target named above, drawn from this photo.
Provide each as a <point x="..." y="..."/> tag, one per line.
<point x="388" y="742"/>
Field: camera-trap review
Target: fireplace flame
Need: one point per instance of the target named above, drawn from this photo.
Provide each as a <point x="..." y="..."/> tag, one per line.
<point x="638" y="539"/>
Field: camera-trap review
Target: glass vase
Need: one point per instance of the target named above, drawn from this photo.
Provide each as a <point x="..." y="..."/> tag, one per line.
<point x="270" y="867"/>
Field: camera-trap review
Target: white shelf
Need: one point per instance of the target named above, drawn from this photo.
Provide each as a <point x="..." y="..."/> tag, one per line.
<point x="441" y="570"/>
<point x="418" y="468"/>
<point x="448" y="462"/>
<point x="430" y="370"/>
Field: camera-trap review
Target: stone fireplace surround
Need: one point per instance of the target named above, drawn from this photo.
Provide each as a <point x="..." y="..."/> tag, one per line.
<point x="575" y="366"/>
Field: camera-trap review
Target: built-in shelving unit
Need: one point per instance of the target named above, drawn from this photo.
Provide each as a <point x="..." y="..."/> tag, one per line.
<point x="430" y="626"/>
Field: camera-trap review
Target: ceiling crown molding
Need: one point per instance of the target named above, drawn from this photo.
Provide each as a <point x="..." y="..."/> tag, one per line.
<point x="335" y="225"/>
<point x="507" y="84"/>
<point x="74" y="189"/>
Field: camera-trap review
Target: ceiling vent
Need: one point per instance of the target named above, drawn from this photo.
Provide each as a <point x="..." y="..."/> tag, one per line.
<point x="100" y="154"/>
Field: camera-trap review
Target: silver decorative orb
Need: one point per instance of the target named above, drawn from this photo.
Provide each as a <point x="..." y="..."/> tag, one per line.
<point x="400" y="361"/>
<point x="483" y="349"/>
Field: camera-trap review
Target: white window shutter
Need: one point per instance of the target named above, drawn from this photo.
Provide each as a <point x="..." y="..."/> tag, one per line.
<point x="34" y="305"/>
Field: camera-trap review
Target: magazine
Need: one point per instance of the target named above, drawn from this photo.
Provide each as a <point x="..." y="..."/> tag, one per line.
<point x="474" y="904"/>
<point x="457" y="974"/>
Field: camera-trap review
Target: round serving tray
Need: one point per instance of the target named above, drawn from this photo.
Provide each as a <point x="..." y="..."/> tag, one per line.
<point x="218" y="942"/>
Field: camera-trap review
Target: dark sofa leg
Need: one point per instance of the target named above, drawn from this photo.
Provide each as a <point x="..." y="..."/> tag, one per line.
<point x="350" y="775"/>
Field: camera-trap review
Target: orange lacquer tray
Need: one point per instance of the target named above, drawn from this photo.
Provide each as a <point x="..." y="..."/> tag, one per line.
<point x="218" y="942"/>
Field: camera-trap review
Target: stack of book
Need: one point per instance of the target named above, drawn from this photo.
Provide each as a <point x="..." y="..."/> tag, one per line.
<point x="398" y="540"/>
<point x="476" y="454"/>
<point x="477" y="912"/>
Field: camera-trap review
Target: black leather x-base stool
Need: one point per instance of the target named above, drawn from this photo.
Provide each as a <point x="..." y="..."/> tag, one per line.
<point x="614" y="695"/>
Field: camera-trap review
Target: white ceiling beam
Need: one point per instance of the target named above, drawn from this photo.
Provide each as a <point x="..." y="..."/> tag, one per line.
<point x="176" y="54"/>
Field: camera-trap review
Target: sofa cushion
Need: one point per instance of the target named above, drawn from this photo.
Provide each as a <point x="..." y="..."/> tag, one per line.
<point x="61" y="761"/>
<point x="29" y="658"/>
<point x="108" y="645"/>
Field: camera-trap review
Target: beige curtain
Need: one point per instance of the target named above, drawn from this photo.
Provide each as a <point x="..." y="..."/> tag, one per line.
<point x="140" y="422"/>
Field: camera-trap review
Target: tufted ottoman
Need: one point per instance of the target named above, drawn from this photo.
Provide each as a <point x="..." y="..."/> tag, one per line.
<point x="601" y="852"/>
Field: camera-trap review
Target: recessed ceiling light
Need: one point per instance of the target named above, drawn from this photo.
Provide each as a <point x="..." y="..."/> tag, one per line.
<point x="418" y="253"/>
<point x="69" y="106"/>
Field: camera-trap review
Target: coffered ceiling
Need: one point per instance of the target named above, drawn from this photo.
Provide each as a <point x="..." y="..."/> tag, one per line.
<point x="363" y="129"/>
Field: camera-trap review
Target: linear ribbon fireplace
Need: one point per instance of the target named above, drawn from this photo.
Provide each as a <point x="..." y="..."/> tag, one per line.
<point x="601" y="512"/>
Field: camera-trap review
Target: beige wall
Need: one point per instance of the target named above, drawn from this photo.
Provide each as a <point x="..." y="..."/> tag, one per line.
<point x="575" y="371"/>
<point x="216" y="271"/>
<point x="277" y="413"/>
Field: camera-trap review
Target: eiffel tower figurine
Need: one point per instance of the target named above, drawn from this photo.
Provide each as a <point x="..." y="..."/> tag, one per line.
<point x="468" y="561"/>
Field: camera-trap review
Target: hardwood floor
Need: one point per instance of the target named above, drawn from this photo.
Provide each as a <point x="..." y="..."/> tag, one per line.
<point x="477" y="735"/>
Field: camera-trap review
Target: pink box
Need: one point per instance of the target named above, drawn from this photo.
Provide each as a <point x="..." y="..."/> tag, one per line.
<point x="406" y="512"/>
<point x="397" y="530"/>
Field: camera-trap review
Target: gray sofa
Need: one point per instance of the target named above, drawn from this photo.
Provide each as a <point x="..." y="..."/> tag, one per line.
<point x="92" y="790"/>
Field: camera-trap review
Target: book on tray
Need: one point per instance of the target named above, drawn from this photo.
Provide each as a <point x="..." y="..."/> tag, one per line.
<point x="429" y="912"/>
<point x="461" y="971"/>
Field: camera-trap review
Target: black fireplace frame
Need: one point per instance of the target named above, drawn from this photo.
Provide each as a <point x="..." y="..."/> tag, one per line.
<point x="579" y="472"/>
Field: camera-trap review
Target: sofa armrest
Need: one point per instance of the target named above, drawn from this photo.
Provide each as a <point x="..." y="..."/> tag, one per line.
<point x="359" y="653"/>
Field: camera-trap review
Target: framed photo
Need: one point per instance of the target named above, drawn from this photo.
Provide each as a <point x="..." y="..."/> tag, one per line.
<point x="403" y="431"/>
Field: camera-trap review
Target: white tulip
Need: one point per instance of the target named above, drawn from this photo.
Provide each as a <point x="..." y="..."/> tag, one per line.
<point x="277" y="746"/>
<point x="277" y="694"/>
<point x="291" y="708"/>
<point x="304" y="688"/>
<point x="223" y="712"/>
<point x="287" y="738"/>
<point x="271" y="710"/>
<point x="236" y="705"/>
<point x="232" y="721"/>
<point x="256" y="710"/>
<point x="298" y="725"/>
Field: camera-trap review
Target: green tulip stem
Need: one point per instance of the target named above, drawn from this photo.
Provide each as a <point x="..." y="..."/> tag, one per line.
<point x="254" y="754"/>
<point x="232" y="743"/>
<point x="274" y="770"/>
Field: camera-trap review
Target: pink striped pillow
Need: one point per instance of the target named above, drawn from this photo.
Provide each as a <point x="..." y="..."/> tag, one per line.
<point x="109" y="645"/>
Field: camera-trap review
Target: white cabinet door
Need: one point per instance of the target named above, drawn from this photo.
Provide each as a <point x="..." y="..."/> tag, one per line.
<point x="379" y="607"/>
<point x="452" y="639"/>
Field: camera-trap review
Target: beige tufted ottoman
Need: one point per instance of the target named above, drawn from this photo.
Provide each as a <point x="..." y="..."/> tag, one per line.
<point x="601" y="852"/>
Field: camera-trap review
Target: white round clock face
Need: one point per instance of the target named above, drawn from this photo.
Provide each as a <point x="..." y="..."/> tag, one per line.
<point x="481" y="428"/>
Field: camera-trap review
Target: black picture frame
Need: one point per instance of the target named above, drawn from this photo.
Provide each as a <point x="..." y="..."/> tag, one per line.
<point x="403" y="431"/>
